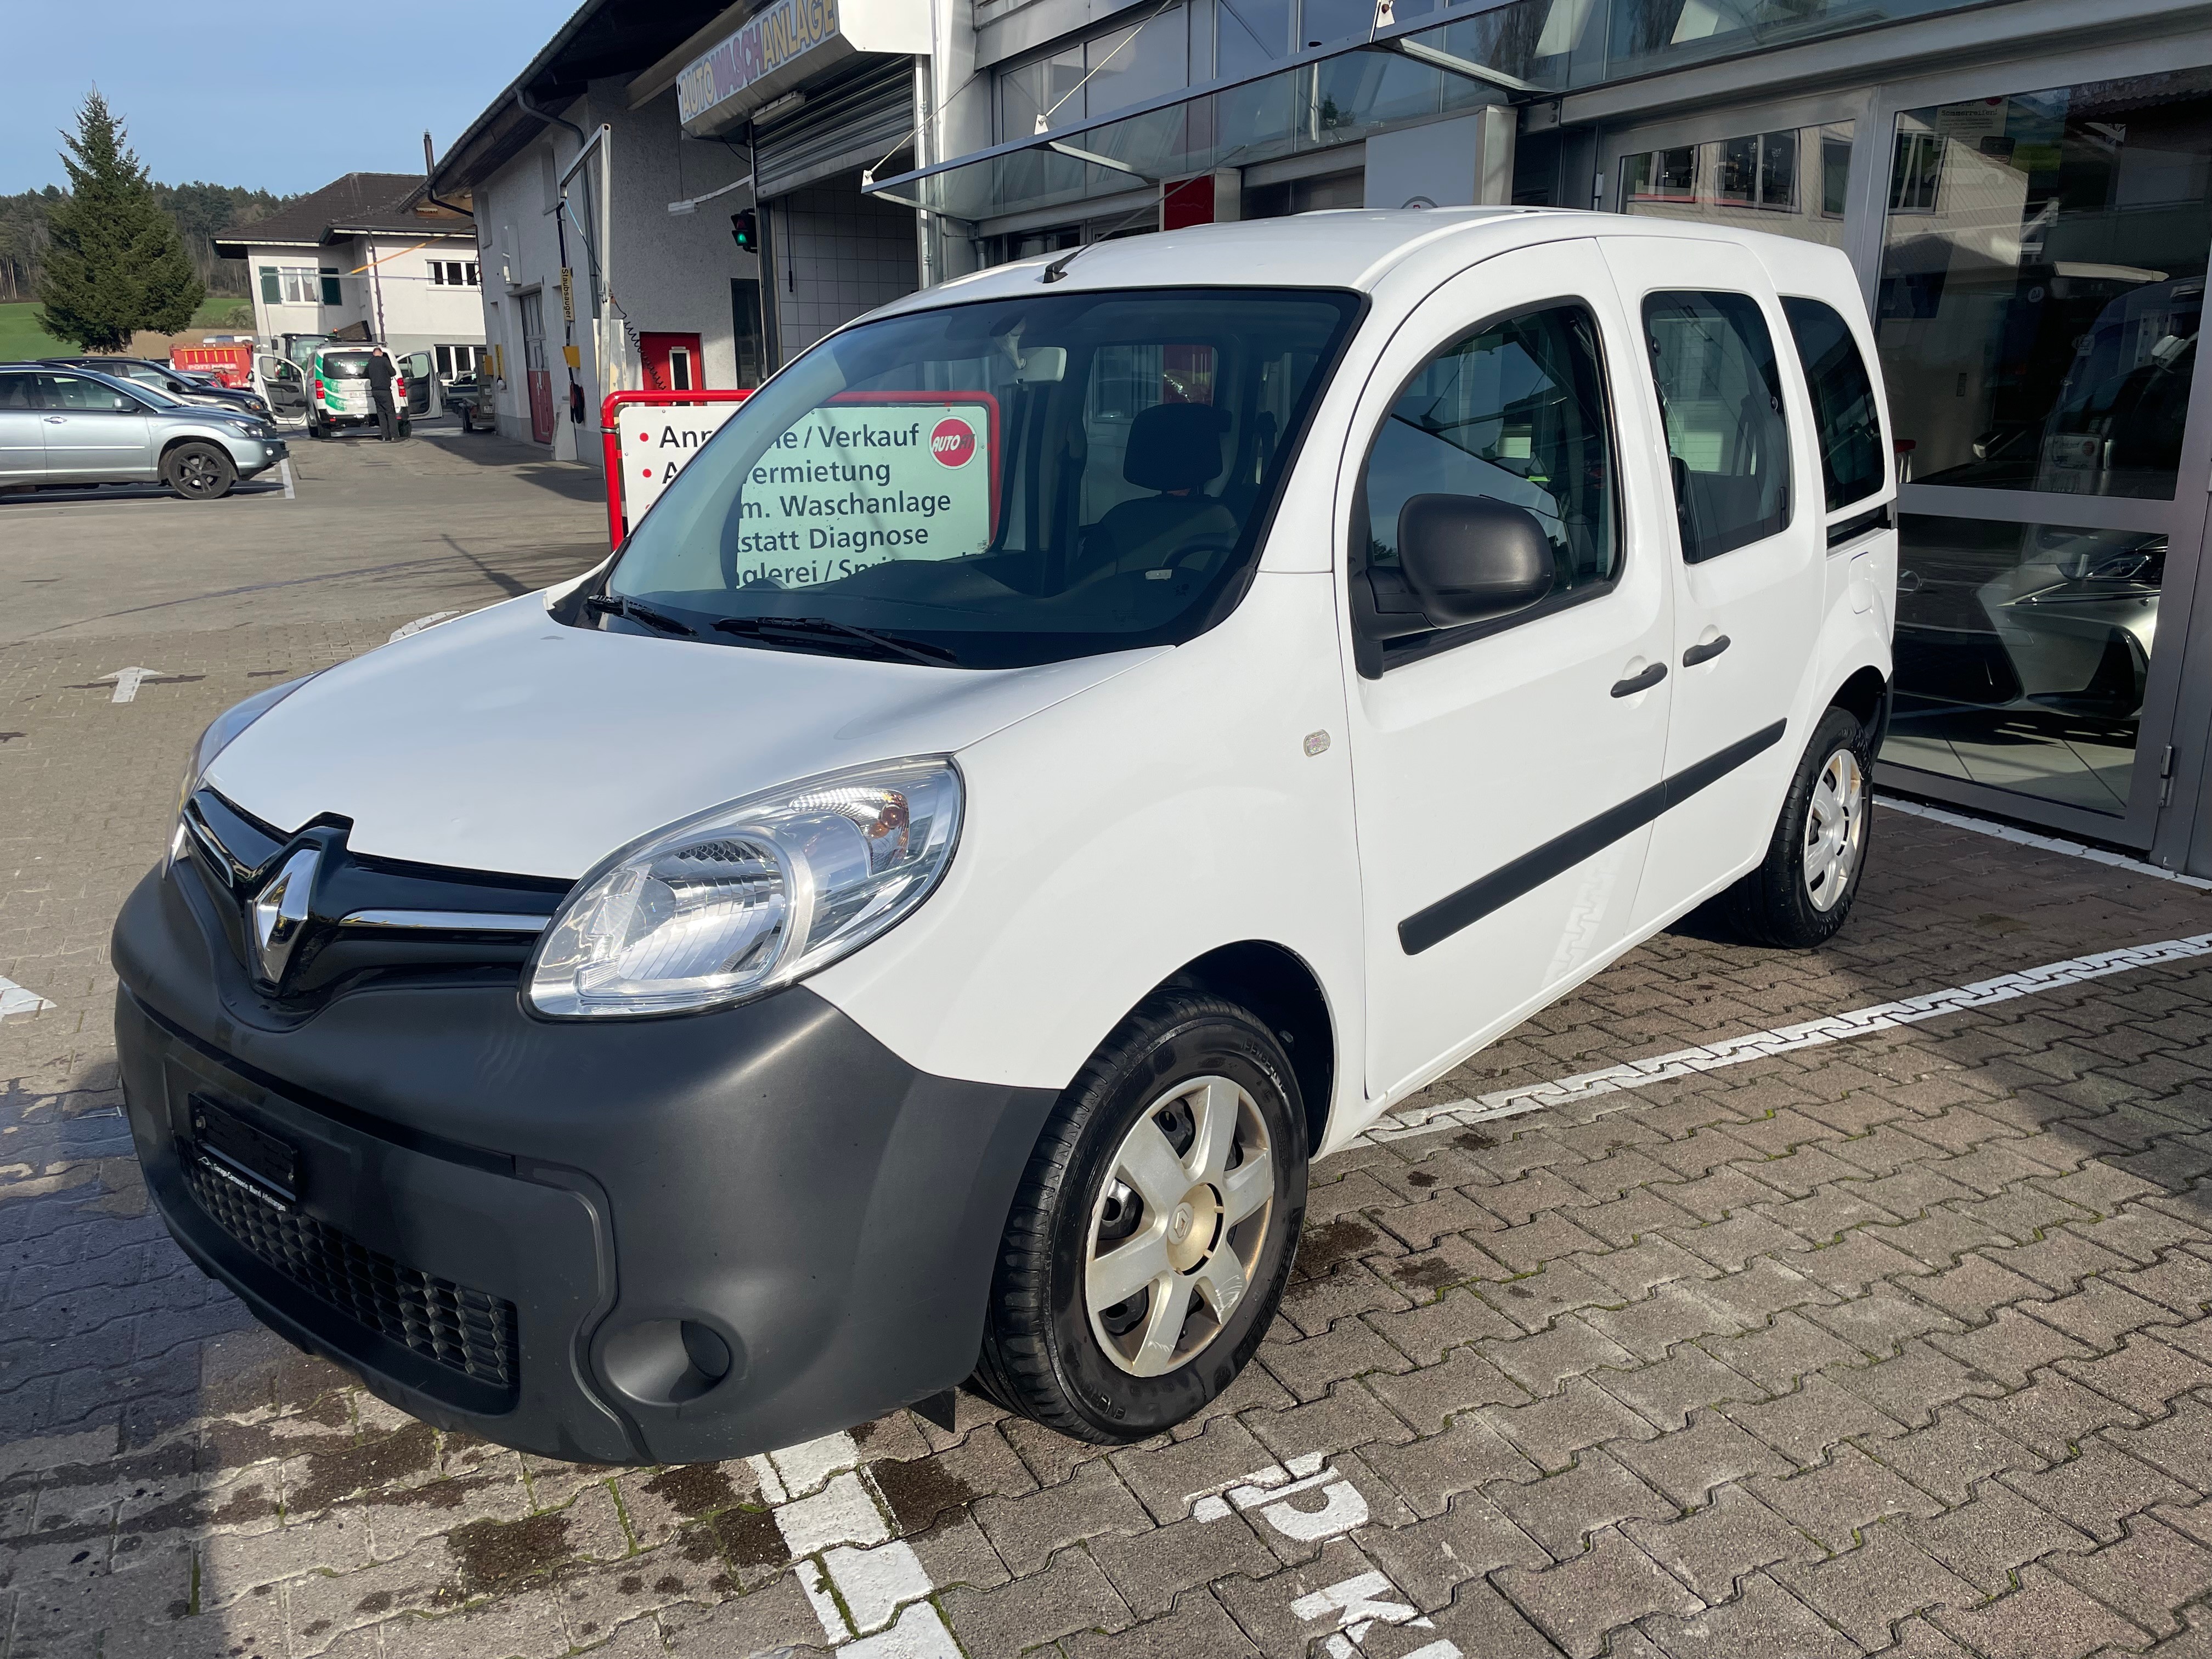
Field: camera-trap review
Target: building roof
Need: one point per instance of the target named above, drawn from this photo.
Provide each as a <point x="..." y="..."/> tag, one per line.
<point x="602" y="39"/>
<point x="392" y="202"/>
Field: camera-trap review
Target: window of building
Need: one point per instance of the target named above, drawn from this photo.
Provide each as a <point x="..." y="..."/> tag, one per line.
<point x="452" y="273"/>
<point x="1720" y="392"/>
<point x="1790" y="182"/>
<point x="459" y="360"/>
<point x="1516" y="411"/>
<point x="332" y="295"/>
<point x="1916" y="177"/>
<point x="1760" y="171"/>
<point x="292" y="285"/>
<point x="1846" y="422"/>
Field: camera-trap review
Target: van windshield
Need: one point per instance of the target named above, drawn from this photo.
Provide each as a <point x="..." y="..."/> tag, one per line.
<point x="995" y="484"/>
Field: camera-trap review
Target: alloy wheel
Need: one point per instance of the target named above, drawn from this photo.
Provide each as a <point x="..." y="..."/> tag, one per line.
<point x="1178" y="1230"/>
<point x="1835" y="830"/>
<point x="198" y="474"/>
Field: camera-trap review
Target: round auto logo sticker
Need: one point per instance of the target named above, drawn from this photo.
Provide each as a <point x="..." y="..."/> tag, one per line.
<point x="953" y="442"/>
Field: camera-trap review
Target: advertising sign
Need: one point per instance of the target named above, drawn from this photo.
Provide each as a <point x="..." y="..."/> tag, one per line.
<point x="771" y="40"/>
<point x="872" y="476"/>
<point x="655" y="440"/>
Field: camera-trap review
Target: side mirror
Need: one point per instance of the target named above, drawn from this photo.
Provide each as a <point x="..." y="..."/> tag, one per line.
<point x="1469" y="559"/>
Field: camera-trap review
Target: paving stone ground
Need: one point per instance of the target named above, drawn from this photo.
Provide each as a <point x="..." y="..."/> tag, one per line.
<point x="1895" y="1345"/>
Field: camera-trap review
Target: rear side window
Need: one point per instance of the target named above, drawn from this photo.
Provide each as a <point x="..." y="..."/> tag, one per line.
<point x="1516" y="411"/>
<point x="1845" y="420"/>
<point x="1721" y="393"/>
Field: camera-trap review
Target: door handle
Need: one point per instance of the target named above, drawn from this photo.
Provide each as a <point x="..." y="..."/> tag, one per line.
<point x="1706" y="653"/>
<point x="1644" y="682"/>
<point x="56" y="420"/>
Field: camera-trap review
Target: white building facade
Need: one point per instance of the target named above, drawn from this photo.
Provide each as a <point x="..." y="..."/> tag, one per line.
<point x="368" y="256"/>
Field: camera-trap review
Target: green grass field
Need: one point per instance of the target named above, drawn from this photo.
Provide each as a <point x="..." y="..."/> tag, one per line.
<point x="21" y="336"/>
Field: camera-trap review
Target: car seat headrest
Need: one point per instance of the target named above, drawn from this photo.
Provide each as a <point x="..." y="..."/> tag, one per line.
<point x="1174" y="447"/>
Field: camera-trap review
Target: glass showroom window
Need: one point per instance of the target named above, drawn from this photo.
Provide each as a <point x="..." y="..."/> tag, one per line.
<point x="2022" y="653"/>
<point x="1125" y="66"/>
<point x="2042" y="285"/>
<point x="2042" y="278"/>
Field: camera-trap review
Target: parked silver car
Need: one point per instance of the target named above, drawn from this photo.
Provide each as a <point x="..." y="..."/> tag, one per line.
<point x="63" y="429"/>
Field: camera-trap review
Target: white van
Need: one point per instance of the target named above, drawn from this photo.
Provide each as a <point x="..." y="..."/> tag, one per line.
<point x="1079" y="743"/>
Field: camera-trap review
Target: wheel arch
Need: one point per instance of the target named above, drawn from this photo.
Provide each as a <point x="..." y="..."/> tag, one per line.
<point x="1278" y="985"/>
<point x="1865" y="697"/>
<point x="177" y="441"/>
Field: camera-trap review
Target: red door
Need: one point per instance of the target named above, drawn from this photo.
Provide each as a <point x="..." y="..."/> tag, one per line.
<point x="671" y="361"/>
<point x="537" y="371"/>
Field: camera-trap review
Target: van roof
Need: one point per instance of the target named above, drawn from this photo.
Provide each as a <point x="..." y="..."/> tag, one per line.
<point x="1346" y="247"/>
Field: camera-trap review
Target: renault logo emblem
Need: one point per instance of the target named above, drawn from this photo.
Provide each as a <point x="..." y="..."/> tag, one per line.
<point x="280" y="911"/>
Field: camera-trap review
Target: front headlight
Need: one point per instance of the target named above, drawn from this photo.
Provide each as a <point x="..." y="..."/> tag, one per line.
<point x="750" y="896"/>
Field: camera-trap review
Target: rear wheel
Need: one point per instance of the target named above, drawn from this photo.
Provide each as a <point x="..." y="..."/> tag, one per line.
<point x="1154" y="1228"/>
<point x="199" y="471"/>
<point x="1800" y="895"/>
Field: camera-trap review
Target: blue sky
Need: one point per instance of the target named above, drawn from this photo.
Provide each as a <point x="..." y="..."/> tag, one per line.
<point x="256" y="95"/>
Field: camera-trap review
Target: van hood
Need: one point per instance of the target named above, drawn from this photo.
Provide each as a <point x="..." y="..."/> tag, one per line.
<point x="507" y="742"/>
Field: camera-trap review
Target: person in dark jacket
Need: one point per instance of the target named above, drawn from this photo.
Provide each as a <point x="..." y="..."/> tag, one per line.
<point x="380" y="376"/>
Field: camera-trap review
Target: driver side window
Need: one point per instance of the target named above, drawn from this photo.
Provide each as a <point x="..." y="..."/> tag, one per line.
<point x="1516" y="411"/>
<point x="83" y="396"/>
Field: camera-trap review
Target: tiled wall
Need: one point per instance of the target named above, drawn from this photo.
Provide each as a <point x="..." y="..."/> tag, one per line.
<point x="837" y="253"/>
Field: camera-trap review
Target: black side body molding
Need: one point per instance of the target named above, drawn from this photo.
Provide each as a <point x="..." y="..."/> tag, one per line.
<point x="1438" y="922"/>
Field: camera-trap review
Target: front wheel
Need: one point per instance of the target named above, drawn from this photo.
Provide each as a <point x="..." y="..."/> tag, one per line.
<point x="1154" y="1228"/>
<point x="198" y="472"/>
<point x="1800" y="895"/>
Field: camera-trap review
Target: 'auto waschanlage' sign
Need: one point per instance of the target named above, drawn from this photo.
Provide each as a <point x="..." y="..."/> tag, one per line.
<point x="766" y="44"/>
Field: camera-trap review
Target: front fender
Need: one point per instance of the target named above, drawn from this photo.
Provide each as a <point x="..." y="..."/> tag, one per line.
<point x="1117" y="835"/>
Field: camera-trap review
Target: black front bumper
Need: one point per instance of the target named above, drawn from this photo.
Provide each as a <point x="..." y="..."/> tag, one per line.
<point x="601" y="1193"/>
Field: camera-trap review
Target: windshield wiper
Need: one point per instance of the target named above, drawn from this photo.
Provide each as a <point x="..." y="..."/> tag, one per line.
<point x="615" y="604"/>
<point x="934" y="656"/>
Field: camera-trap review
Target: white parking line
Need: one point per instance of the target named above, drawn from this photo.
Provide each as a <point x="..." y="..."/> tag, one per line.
<point x="2042" y="843"/>
<point x="16" y="1000"/>
<point x="869" y="1589"/>
<point x="1758" y="1045"/>
<point x="284" y="467"/>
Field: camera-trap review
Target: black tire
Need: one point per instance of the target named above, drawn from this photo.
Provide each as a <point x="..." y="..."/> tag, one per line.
<point x="316" y="429"/>
<point x="407" y="429"/>
<point x="1043" y="1352"/>
<point x="1778" y="904"/>
<point x="199" y="471"/>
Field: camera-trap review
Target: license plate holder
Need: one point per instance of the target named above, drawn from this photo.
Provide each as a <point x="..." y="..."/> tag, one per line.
<point x="244" y="1153"/>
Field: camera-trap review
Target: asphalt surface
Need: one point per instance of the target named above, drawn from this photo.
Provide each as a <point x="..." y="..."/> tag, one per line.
<point x="1846" y="1323"/>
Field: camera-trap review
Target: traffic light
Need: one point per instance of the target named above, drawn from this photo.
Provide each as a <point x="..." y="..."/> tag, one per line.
<point x="744" y="231"/>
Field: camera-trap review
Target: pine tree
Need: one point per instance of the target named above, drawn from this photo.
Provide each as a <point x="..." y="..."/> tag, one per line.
<point x="116" y="264"/>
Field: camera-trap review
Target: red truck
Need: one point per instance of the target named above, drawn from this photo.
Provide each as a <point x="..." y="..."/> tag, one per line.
<point x="232" y="365"/>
